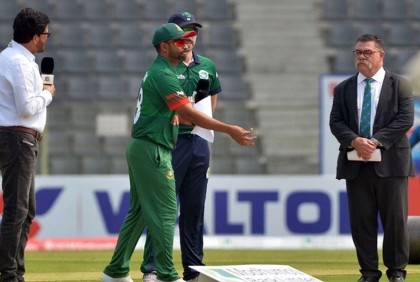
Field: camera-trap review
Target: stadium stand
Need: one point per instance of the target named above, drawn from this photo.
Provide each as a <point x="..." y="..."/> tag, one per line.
<point x="372" y="27"/>
<point x="100" y="35"/>
<point x="334" y="10"/>
<point x="394" y="21"/>
<point x="156" y="10"/>
<point x="6" y="33"/>
<point x="72" y="61"/>
<point x="216" y="10"/>
<point x="129" y="34"/>
<point x="110" y="87"/>
<point x="365" y="10"/>
<point x="394" y="10"/>
<point x="185" y="5"/>
<point x="68" y="35"/>
<point x="95" y="10"/>
<point x="343" y="62"/>
<point x="105" y="60"/>
<point x="401" y="58"/>
<point x="269" y="55"/>
<point x="125" y="10"/>
<point x="64" y="165"/>
<point x="41" y="5"/>
<point x="85" y="143"/>
<point x="8" y="11"/>
<point x="67" y="10"/>
<point x="341" y="34"/>
<point x="133" y="61"/>
<point x="101" y="50"/>
<point x="220" y="36"/>
<point x="227" y="60"/>
<point x="62" y="138"/>
<point x="95" y="164"/>
<point x="401" y="34"/>
<point x="415" y="10"/>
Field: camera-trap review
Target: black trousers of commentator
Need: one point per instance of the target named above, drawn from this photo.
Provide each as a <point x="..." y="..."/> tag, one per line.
<point x="18" y="154"/>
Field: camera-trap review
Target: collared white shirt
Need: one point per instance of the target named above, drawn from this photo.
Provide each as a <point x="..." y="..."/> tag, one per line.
<point x="376" y="86"/>
<point x="22" y="100"/>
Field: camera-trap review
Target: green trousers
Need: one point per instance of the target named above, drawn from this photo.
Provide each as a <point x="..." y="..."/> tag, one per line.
<point x="152" y="205"/>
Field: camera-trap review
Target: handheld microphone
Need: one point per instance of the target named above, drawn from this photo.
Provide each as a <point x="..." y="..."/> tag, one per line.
<point x="47" y="67"/>
<point x="203" y="87"/>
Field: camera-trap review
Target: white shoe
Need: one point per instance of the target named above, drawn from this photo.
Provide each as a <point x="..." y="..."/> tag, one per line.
<point x="106" y="278"/>
<point x="150" y="277"/>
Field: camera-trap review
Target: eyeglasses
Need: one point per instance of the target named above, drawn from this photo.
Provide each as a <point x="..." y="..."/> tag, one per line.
<point x="190" y="28"/>
<point x="179" y="42"/>
<point x="366" y="53"/>
<point x="47" y="33"/>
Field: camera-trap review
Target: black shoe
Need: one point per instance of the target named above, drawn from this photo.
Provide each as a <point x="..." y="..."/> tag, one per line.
<point x="396" y="279"/>
<point x="368" y="279"/>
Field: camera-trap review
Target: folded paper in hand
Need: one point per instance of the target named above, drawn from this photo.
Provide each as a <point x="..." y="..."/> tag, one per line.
<point x="376" y="156"/>
<point x="204" y="106"/>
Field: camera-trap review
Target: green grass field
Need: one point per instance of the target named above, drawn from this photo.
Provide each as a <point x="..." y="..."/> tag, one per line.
<point x="77" y="266"/>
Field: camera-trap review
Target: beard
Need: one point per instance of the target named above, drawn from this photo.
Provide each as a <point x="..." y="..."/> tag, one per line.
<point x="182" y="57"/>
<point x="40" y="47"/>
<point x="177" y="56"/>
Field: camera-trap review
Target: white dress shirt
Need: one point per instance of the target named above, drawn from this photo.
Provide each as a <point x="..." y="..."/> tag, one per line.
<point x="376" y="86"/>
<point x="22" y="100"/>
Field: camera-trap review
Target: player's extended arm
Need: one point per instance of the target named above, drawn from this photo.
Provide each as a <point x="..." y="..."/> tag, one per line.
<point x="237" y="133"/>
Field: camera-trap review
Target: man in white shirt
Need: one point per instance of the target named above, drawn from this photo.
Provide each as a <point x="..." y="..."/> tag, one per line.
<point x="23" y="112"/>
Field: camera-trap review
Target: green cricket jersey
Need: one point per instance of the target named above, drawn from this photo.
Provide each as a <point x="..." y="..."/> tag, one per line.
<point x="159" y="95"/>
<point x="201" y="68"/>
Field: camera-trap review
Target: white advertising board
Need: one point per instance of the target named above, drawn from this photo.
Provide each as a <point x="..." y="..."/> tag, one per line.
<point x="328" y="143"/>
<point x="241" y="211"/>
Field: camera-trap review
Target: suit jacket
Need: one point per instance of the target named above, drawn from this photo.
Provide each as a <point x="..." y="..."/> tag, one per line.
<point x="394" y="117"/>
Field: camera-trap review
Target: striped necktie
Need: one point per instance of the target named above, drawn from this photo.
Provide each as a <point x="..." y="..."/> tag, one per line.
<point x="366" y="110"/>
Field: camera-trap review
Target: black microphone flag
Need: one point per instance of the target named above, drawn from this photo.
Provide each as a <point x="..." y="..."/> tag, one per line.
<point x="47" y="68"/>
<point x="203" y="86"/>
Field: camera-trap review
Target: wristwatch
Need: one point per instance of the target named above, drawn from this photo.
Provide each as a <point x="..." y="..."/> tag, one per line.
<point x="376" y="142"/>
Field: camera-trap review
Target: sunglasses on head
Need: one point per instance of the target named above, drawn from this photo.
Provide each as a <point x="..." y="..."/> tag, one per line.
<point x="190" y="28"/>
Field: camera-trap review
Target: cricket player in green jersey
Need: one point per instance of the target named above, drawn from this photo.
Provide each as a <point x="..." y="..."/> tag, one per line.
<point x="190" y="158"/>
<point x="149" y="155"/>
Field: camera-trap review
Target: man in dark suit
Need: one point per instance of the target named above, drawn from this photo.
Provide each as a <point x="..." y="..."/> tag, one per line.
<point x="375" y="186"/>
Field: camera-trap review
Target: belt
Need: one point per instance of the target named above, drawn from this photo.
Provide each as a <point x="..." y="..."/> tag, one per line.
<point x="34" y="133"/>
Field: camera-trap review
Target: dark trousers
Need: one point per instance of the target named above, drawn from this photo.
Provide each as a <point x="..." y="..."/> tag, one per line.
<point x="18" y="154"/>
<point x="369" y="196"/>
<point x="190" y="161"/>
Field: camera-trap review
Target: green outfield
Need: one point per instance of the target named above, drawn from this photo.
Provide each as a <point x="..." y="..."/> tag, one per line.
<point x="77" y="266"/>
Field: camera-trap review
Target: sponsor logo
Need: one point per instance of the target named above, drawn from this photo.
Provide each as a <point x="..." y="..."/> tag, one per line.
<point x="45" y="199"/>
